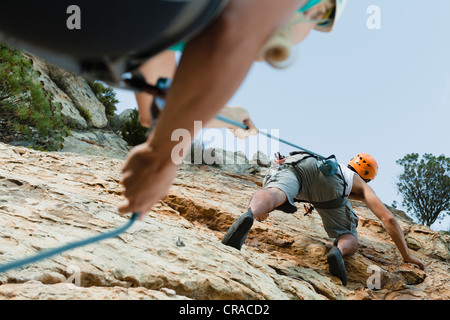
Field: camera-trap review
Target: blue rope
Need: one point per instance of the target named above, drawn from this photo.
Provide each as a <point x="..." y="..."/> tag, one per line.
<point x="51" y="252"/>
<point x="243" y="126"/>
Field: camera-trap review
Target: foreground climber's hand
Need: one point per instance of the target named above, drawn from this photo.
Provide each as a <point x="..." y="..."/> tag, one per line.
<point x="146" y="178"/>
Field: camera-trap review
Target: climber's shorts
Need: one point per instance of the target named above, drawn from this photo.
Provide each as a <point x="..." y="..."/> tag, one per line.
<point x="340" y="221"/>
<point x="336" y="222"/>
<point x="285" y="180"/>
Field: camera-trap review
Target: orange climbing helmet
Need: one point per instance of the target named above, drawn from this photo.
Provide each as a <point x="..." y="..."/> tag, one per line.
<point x="364" y="165"/>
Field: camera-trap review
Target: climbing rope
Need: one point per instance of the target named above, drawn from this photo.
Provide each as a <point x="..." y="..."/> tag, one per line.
<point x="51" y="252"/>
<point x="243" y="126"/>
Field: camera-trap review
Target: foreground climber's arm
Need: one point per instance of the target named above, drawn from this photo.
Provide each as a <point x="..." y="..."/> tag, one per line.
<point x="164" y="66"/>
<point x="362" y="191"/>
<point x="211" y="69"/>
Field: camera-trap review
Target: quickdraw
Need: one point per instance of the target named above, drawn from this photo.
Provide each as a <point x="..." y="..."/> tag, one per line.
<point x="308" y="210"/>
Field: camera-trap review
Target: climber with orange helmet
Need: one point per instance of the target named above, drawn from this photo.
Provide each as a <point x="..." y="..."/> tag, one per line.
<point x="302" y="178"/>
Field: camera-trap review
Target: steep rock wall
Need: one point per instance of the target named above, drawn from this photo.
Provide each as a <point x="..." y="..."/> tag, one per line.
<point x="49" y="199"/>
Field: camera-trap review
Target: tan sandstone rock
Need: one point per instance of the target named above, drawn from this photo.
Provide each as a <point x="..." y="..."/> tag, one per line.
<point x="49" y="199"/>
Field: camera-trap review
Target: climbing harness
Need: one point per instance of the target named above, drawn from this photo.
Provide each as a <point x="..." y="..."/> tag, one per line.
<point x="328" y="167"/>
<point x="51" y="252"/>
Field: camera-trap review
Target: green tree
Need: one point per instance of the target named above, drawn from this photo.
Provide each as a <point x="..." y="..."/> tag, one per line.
<point x="23" y="97"/>
<point x="132" y="131"/>
<point x="106" y="96"/>
<point x="425" y="186"/>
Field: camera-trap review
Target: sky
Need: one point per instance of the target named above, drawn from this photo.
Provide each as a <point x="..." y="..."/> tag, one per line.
<point x="376" y="86"/>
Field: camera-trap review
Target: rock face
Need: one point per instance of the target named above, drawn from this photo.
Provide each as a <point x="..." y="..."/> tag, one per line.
<point x="261" y="159"/>
<point x="79" y="107"/>
<point x="69" y="110"/>
<point x="96" y="143"/>
<point x="230" y="161"/>
<point x="49" y="199"/>
<point x="82" y="96"/>
<point x="75" y="95"/>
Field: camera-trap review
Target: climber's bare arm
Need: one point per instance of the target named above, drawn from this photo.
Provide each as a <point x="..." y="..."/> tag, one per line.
<point x="362" y="191"/>
<point x="214" y="64"/>
<point x="164" y="66"/>
<point x="211" y="69"/>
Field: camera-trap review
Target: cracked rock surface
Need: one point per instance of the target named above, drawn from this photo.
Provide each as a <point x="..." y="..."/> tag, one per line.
<point x="50" y="199"/>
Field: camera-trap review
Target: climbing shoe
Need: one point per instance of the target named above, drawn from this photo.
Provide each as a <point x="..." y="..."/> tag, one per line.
<point x="235" y="237"/>
<point x="336" y="264"/>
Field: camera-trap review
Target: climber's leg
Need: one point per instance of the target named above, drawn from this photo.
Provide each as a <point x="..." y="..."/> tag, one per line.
<point x="345" y="245"/>
<point x="263" y="202"/>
